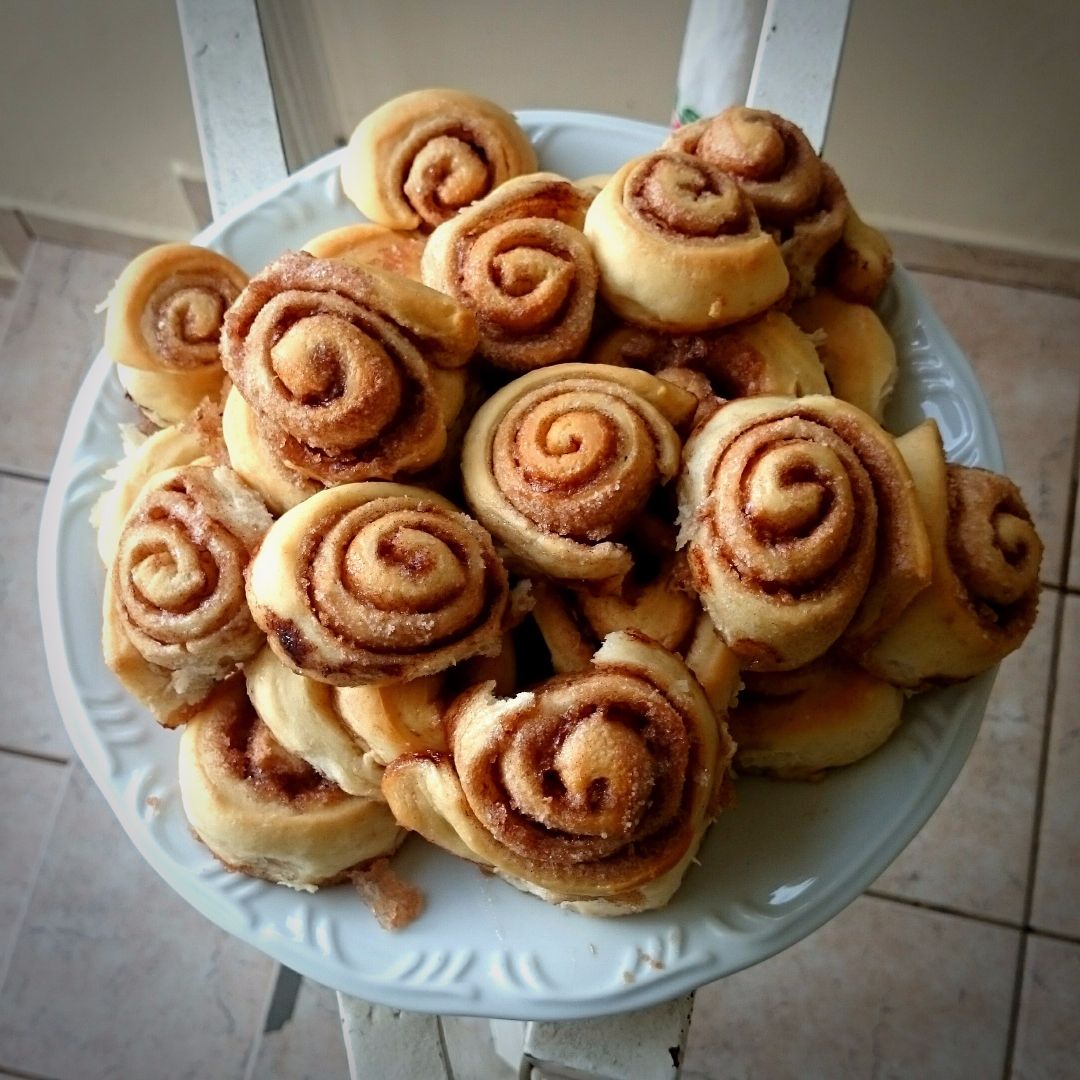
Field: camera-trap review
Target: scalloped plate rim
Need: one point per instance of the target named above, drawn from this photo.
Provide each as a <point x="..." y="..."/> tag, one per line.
<point x="481" y="996"/>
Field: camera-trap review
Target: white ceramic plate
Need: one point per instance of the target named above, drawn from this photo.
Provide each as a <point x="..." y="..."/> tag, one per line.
<point x="787" y="859"/>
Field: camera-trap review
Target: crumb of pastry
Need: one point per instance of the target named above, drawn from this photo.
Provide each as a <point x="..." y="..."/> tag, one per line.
<point x="393" y="902"/>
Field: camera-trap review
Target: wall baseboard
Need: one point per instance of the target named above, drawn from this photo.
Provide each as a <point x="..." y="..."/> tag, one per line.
<point x="981" y="262"/>
<point x="19" y="228"/>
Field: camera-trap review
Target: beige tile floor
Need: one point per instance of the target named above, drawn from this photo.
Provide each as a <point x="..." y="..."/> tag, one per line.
<point x="962" y="960"/>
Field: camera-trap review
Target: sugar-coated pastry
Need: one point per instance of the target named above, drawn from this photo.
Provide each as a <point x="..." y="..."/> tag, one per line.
<point x="592" y="790"/>
<point x="367" y="244"/>
<point x="168" y="397"/>
<point x="349" y="733"/>
<point x="680" y="247"/>
<point x="418" y="159"/>
<point x="652" y="600"/>
<point x="163" y="319"/>
<point x="263" y="811"/>
<point x="176" y="619"/>
<point x="802" y="528"/>
<point x="798" y="197"/>
<point x="560" y="462"/>
<point x="766" y="355"/>
<point x="519" y="260"/>
<point x="984" y="593"/>
<point x="375" y="583"/>
<point x="144" y="459"/>
<point x="253" y="457"/>
<point x="795" y="725"/>
<point x="856" y="351"/>
<point x="858" y="268"/>
<point x="337" y="362"/>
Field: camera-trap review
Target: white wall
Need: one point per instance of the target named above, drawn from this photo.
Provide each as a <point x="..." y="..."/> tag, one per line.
<point x="95" y="110"/>
<point x="953" y="118"/>
<point x="961" y="119"/>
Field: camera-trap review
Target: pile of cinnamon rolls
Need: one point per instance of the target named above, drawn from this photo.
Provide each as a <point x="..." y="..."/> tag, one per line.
<point x="528" y="513"/>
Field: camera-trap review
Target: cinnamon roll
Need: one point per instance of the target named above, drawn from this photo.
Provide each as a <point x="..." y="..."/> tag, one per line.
<point x="167" y="397"/>
<point x="367" y="244"/>
<point x="766" y="355"/>
<point x="519" y="260"/>
<point x="560" y="462"/>
<point x="858" y="268"/>
<point x="337" y="363"/>
<point x="796" y="725"/>
<point x="254" y="459"/>
<point x="798" y="197"/>
<point x="349" y="733"/>
<point x="680" y="247"/>
<point x="984" y="594"/>
<point x="163" y="320"/>
<point x="802" y="528"/>
<point x="651" y="600"/>
<point x="168" y="448"/>
<point x="263" y="811"/>
<point x="419" y="158"/>
<point x="592" y="791"/>
<point x="176" y="619"/>
<point x="375" y="583"/>
<point x="856" y="351"/>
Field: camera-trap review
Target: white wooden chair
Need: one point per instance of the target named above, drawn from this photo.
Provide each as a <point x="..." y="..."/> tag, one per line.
<point x="794" y="73"/>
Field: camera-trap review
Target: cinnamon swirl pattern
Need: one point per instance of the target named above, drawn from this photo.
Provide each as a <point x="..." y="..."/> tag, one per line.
<point x="766" y="355"/>
<point x="802" y="526"/>
<point x="984" y="594"/>
<point x="336" y="362"/>
<point x="418" y="159"/>
<point x="176" y="619"/>
<point x="558" y="464"/>
<point x="680" y="247"/>
<point x="798" y="197"/>
<point x="592" y="791"/>
<point x="163" y="322"/>
<point x="376" y="583"/>
<point x="520" y="261"/>
<point x="263" y="811"/>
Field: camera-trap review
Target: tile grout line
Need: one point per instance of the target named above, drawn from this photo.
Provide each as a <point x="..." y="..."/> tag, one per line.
<point x="9" y="473"/>
<point x="1044" y="753"/>
<point x="971" y="916"/>
<point x="34" y="755"/>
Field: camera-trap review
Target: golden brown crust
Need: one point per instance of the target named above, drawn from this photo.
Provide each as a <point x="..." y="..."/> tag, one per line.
<point x="680" y="247"/>
<point x="984" y="594"/>
<point x="802" y="525"/>
<point x="859" y="267"/>
<point x="856" y="351"/>
<point x="559" y="463"/>
<point x="520" y="261"/>
<point x="176" y="618"/>
<point x="798" y="197"/>
<point x="795" y="725"/>
<point x="593" y="790"/>
<point x="367" y="244"/>
<point x="419" y="158"/>
<point x="377" y="583"/>
<point x="336" y="363"/>
<point x="766" y="355"/>
<point x="166" y="309"/>
<point x="265" y="812"/>
<point x="771" y="157"/>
